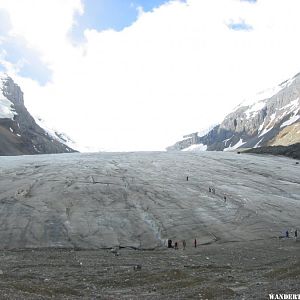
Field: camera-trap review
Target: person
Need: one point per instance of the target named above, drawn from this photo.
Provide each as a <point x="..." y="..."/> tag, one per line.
<point x="187" y="178"/>
<point x="183" y="244"/>
<point x="296" y="233"/>
<point x="209" y="189"/>
<point x="195" y="243"/>
<point x="225" y="198"/>
<point x="170" y="244"/>
<point x="176" y="246"/>
<point x="287" y="234"/>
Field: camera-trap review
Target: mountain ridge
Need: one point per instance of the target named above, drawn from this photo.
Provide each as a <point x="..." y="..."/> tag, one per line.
<point x="268" y="119"/>
<point x="19" y="133"/>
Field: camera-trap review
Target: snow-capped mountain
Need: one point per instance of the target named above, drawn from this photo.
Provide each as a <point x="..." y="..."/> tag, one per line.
<point x="19" y="133"/>
<point x="56" y="134"/>
<point x="63" y="138"/>
<point x="269" y="118"/>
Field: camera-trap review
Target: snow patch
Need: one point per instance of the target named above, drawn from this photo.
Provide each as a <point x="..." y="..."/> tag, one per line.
<point x="257" y="144"/>
<point x="272" y="118"/>
<point x="292" y="120"/>
<point x="263" y="95"/>
<point x="261" y="126"/>
<point x="225" y="141"/>
<point x="196" y="147"/>
<point x="34" y="147"/>
<point x="293" y="104"/>
<point x="255" y="108"/>
<point x="205" y="131"/>
<point x="265" y="131"/>
<point x="287" y="83"/>
<point x="7" y="110"/>
<point x="237" y="145"/>
<point x="268" y="127"/>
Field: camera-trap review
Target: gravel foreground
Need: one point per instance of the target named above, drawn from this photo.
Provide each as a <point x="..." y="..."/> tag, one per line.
<point x="234" y="270"/>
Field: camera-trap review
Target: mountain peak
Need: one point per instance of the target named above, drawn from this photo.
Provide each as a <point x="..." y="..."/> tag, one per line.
<point x="270" y="117"/>
<point x="19" y="133"/>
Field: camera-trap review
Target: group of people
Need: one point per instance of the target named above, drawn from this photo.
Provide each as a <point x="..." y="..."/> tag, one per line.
<point x="287" y="234"/>
<point x="176" y="244"/>
<point x="212" y="190"/>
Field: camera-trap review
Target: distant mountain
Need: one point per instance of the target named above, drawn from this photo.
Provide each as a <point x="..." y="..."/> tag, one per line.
<point x="269" y="118"/>
<point x="19" y="133"/>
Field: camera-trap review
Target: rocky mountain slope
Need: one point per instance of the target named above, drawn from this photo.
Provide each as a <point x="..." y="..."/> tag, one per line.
<point x="292" y="151"/>
<point x="268" y="119"/>
<point x="139" y="200"/>
<point x="19" y="133"/>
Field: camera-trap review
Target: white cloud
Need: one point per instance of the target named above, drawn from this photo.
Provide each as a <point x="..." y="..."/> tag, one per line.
<point x="175" y="70"/>
<point x="42" y="22"/>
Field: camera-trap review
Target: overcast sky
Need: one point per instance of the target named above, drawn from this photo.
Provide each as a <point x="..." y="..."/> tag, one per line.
<point x="139" y="74"/>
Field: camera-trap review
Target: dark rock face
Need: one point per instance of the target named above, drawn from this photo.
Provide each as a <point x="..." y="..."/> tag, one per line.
<point x="270" y="118"/>
<point x="292" y="151"/>
<point x="20" y="134"/>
